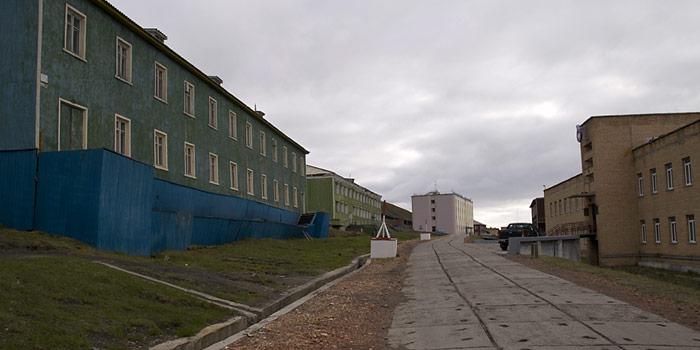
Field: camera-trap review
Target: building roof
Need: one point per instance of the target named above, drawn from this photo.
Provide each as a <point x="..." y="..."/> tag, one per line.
<point x="437" y="193"/>
<point x="657" y="138"/>
<point x="144" y="34"/>
<point x="478" y="223"/>
<point x="534" y="201"/>
<point x="395" y="211"/>
<point x="639" y="115"/>
<point x="560" y="183"/>
<point x="314" y="171"/>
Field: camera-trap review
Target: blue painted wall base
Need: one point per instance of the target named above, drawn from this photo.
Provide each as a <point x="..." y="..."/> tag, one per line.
<point x="115" y="203"/>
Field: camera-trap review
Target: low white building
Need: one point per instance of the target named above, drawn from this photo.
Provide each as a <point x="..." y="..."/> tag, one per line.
<point x="442" y="213"/>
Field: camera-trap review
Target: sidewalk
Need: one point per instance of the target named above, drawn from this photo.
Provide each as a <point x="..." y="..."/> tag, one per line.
<point x="463" y="296"/>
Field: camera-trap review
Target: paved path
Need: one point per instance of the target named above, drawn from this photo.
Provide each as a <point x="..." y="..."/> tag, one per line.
<point x="468" y="297"/>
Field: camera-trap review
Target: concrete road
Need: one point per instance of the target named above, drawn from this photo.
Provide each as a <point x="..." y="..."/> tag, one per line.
<point x="469" y="297"/>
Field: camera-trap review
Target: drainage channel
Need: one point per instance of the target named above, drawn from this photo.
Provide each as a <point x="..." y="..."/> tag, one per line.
<point x="471" y="306"/>
<point x="528" y="291"/>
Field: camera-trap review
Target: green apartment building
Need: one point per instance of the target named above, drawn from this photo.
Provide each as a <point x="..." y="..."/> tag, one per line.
<point x="348" y="203"/>
<point x="85" y="76"/>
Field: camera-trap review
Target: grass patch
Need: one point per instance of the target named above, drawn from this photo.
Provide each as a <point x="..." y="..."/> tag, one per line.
<point x="65" y="302"/>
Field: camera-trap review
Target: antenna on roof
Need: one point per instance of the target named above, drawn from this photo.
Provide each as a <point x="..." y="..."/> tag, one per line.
<point x="436" y="189"/>
<point x="255" y="106"/>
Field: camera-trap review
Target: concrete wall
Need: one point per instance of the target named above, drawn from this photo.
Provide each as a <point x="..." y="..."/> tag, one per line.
<point x="18" y="73"/>
<point x="680" y="202"/>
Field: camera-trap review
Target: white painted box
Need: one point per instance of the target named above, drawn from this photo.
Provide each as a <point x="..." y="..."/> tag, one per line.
<point x="425" y="236"/>
<point x="383" y="248"/>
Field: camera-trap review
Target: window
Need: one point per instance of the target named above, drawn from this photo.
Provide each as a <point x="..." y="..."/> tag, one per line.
<point x="644" y="231"/>
<point x="551" y="213"/>
<point x="161" y="83"/>
<point x="692" y="236"/>
<point x="213" y="110"/>
<point x="286" y="194"/>
<point x="432" y="209"/>
<point x="652" y="172"/>
<point x="687" y="172"/>
<point x="284" y="157"/>
<point x="295" y="197"/>
<point x="302" y="168"/>
<point x="274" y="150"/>
<point x="74" y="36"/>
<point x="657" y="231"/>
<point x="232" y="125"/>
<point x="275" y="190"/>
<point x="669" y="176"/>
<point x="249" y="135"/>
<point x="263" y="186"/>
<point x="294" y="162"/>
<point x="160" y="150"/>
<point x="263" y="148"/>
<point x="673" y="229"/>
<point x="189" y="160"/>
<point x="213" y="169"/>
<point x="233" y="175"/>
<point x="189" y="99"/>
<point x="250" y="182"/>
<point x="123" y="60"/>
<point x="640" y="184"/>
<point x="122" y="135"/>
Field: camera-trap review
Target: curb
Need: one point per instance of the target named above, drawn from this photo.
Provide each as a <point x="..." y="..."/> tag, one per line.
<point x="221" y="331"/>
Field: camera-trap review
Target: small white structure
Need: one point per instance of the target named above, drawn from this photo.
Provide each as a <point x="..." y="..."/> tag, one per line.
<point x="425" y="236"/>
<point x="382" y="245"/>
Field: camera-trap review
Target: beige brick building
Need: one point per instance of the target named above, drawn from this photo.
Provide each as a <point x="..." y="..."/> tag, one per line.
<point x="567" y="208"/>
<point x="614" y="151"/>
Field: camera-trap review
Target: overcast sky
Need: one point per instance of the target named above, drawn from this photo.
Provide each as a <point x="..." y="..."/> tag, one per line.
<point x="480" y="97"/>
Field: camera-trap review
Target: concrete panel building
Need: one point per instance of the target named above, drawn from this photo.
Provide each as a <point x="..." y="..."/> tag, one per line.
<point x="442" y="213"/>
<point x="397" y="217"/>
<point x="348" y="203"/>
<point x="628" y="163"/>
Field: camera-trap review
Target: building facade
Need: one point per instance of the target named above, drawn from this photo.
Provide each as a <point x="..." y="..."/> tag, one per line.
<point x="85" y="76"/>
<point x="566" y="208"/>
<point x="447" y="213"/>
<point x="397" y="217"/>
<point x="348" y="203"/>
<point x="621" y="155"/>
<point x="539" y="216"/>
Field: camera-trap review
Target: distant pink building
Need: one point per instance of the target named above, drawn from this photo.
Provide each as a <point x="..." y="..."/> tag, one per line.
<point x="442" y="213"/>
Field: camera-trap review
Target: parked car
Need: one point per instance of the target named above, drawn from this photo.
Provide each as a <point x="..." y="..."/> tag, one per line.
<point x="518" y="229"/>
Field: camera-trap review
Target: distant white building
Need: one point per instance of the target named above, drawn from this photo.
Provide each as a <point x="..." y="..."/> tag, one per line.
<point x="443" y="213"/>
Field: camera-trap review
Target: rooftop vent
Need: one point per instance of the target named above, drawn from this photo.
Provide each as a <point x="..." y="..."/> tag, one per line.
<point x="216" y="79"/>
<point x="160" y="36"/>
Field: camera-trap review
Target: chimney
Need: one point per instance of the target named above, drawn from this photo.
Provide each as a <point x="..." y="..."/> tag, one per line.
<point x="157" y="34"/>
<point x="216" y="79"/>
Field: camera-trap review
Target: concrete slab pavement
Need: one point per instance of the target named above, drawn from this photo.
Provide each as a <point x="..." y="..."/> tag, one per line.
<point x="469" y="297"/>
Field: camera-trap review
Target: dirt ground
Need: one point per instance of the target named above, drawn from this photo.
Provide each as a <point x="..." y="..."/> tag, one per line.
<point x="671" y="309"/>
<point x="354" y="314"/>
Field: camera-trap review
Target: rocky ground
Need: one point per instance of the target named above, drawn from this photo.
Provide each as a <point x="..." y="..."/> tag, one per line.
<point x="354" y="314"/>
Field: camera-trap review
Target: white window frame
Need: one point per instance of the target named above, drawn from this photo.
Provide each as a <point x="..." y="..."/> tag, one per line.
<point x="294" y="162"/>
<point x="249" y="135"/>
<point x="285" y="162"/>
<point x="692" y="229"/>
<point x="276" y="191"/>
<point x="213" y="113"/>
<point x="687" y="171"/>
<point x="82" y="33"/>
<point x="673" y="230"/>
<point x="164" y="84"/>
<point x="263" y="143"/>
<point x="128" y="71"/>
<point x="164" y="165"/>
<point x="644" y="232"/>
<point x="669" y="176"/>
<point x="274" y="150"/>
<point x="213" y="168"/>
<point x="640" y="184"/>
<point x="191" y="104"/>
<point x="295" y="196"/>
<point x="286" y="195"/>
<point x="657" y="231"/>
<point x="654" y="187"/>
<point x="232" y="125"/>
<point x="127" y="137"/>
<point x="62" y="101"/>
<point x="263" y="186"/>
<point x="250" y="182"/>
<point x="233" y="175"/>
<point x="192" y="163"/>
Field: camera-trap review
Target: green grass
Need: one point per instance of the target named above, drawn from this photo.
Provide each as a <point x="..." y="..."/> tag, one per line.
<point x="64" y="302"/>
